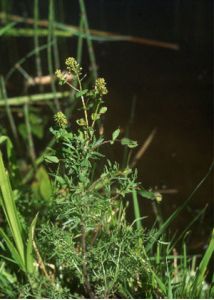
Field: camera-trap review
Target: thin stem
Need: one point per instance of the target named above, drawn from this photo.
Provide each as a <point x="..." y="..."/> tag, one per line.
<point x="127" y="131"/>
<point x="29" y="134"/>
<point x="96" y="232"/>
<point x="86" y="283"/>
<point x="72" y="86"/>
<point x="79" y="52"/>
<point x="89" y="42"/>
<point x="96" y="35"/>
<point x="97" y="108"/>
<point x="23" y="59"/>
<point x="50" y="62"/>
<point x="104" y="143"/>
<point x="55" y="42"/>
<point x="36" y="42"/>
<point x="83" y="102"/>
<point x="40" y="262"/>
<point x="82" y="98"/>
<point x="8" y="111"/>
<point x="18" y="101"/>
<point x="80" y="42"/>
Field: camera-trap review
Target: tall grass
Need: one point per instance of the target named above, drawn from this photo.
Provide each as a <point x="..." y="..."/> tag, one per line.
<point x="49" y="51"/>
<point x="4" y="102"/>
<point x="38" y="62"/>
<point x="21" y="251"/>
<point x="171" y="272"/>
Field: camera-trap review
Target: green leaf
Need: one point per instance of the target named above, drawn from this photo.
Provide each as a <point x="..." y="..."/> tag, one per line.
<point x="81" y="122"/>
<point x="103" y="110"/>
<point x="203" y="265"/>
<point x="22" y="130"/>
<point x="129" y="143"/>
<point x="35" y="119"/>
<point x="10" y="209"/>
<point x="51" y="159"/>
<point x="9" y="145"/>
<point x="38" y="130"/>
<point x="59" y="179"/>
<point x="29" y="253"/>
<point x="81" y="93"/>
<point x="95" y="116"/>
<point x="44" y="183"/>
<point x="115" y="135"/>
<point x="13" y="251"/>
<point x="147" y="194"/>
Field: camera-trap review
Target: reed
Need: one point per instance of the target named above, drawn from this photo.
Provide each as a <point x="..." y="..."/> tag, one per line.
<point x="34" y="99"/>
<point x="38" y="62"/>
<point x="5" y="103"/>
<point x="49" y="52"/>
<point x="21" y="253"/>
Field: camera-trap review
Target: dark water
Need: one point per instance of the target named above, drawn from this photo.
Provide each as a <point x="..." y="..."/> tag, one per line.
<point x="173" y="92"/>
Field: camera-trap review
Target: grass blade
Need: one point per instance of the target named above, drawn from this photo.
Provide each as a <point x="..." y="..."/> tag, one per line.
<point x="198" y="215"/>
<point x="14" y="253"/>
<point x="36" y="42"/>
<point x="203" y="265"/>
<point x="7" y="27"/>
<point x="166" y="224"/>
<point x="89" y="41"/>
<point x="136" y="209"/>
<point x="29" y="254"/>
<point x="17" y="101"/>
<point x="9" y="208"/>
<point x="49" y="51"/>
<point x="8" y="110"/>
<point x="32" y="152"/>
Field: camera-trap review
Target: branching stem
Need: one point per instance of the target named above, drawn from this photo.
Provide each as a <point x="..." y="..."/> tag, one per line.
<point x="83" y="103"/>
<point x="40" y="262"/>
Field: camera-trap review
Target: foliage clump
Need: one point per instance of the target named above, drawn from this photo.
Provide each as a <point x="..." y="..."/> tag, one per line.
<point x="79" y="244"/>
<point x="89" y="238"/>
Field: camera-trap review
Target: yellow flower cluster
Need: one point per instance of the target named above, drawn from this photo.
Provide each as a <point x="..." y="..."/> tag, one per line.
<point x="61" y="76"/>
<point x="60" y="119"/>
<point x="73" y="66"/>
<point x="100" y="86"/>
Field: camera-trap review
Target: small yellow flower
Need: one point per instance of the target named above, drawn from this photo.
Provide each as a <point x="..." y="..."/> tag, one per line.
<point x="60" y="119"/>
<point x="61" y="76"/>
<point x="100" y="86"/>
<point x="73" y="66"/>
<point x="158" y="197"/>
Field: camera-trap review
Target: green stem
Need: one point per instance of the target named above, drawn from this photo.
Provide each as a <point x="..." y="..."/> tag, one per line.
<point x="50" y="62"/>
<point x="88" y="39"/>
<point x="8" y="110"/>
<point x="36" y="42"/>
<point x="83" y="102"/>
<point x="79" y="55"/>
<point x="96" y="111"/>
<point x="136" y="209"/>
<point x="17" y="101"/>
<point x="29" y="134"/>
<point x="55" y="42"/>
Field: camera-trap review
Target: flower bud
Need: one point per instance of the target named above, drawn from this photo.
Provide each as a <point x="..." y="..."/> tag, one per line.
<point x="60" y="119"/>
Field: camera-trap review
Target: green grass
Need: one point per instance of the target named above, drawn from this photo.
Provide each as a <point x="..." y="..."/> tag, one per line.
<point x="64" y="232"/>
<point x="21" y="254"/>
